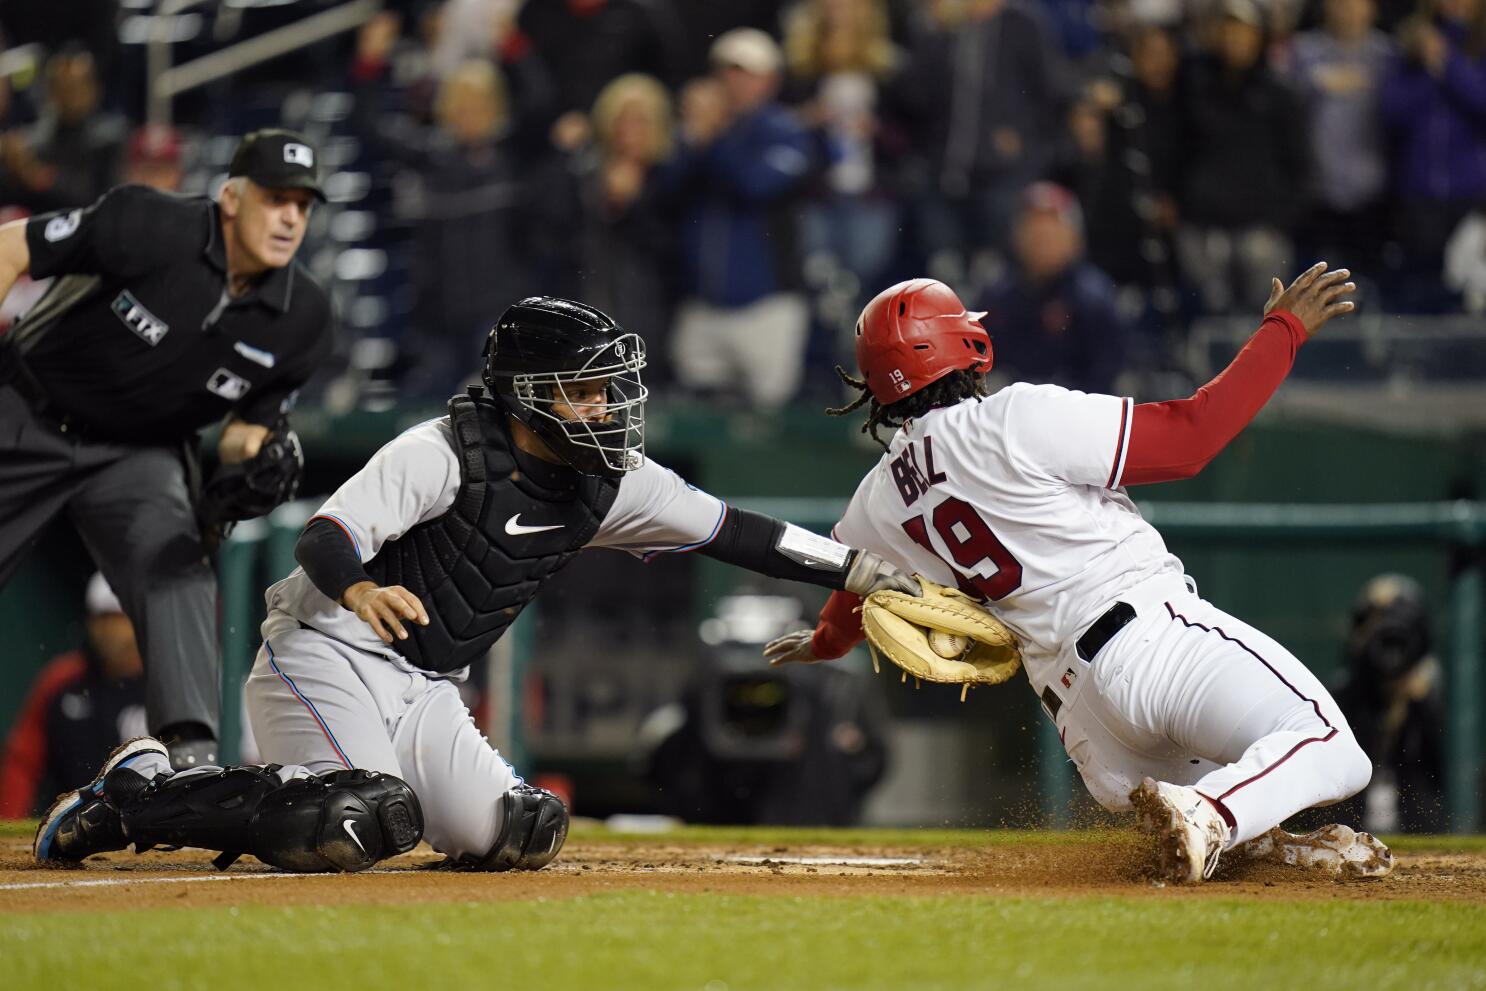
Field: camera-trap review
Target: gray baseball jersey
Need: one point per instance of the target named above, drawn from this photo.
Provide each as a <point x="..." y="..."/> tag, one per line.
<point x="415" y="478"/>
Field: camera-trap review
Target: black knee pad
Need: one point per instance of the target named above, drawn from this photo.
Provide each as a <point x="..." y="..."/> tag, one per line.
<point x="534" y="825"/>
<point x="343" y="821"/>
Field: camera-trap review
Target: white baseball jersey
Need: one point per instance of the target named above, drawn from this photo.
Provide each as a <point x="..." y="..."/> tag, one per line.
<point x="1015" y="497"/>
<point x="415" y="478"/>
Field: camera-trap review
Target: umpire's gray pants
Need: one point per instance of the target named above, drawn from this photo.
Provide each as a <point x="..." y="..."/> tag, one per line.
<point x="133" y="509"/>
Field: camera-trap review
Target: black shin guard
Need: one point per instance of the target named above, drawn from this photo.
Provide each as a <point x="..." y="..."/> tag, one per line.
<point x="534" y="825"/>
<point x="343" y="821"/>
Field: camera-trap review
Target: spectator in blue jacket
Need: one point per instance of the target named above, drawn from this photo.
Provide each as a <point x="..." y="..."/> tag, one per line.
<point x="1053" y="317"/>
<point x="742" y="163"/>
<point x="1434" y="105"/>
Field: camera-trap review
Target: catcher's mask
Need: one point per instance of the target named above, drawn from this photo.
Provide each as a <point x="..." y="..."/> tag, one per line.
<point x="572" y="375"/>
<point x="915" y="333"/>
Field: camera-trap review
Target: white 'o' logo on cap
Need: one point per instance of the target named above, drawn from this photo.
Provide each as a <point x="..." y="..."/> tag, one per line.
<point x="298" y="154"/>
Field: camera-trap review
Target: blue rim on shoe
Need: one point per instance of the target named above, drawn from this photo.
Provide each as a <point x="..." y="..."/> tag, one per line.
<point x="68" y="802"/>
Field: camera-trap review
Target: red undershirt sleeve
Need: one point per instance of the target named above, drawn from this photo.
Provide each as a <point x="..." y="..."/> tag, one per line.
<point x="1176" y="439"/>
<point x="840" y="626"/>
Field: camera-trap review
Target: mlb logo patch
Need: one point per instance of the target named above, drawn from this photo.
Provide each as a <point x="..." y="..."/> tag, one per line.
<point x="1068" y="678"/>
<point x="227" y="385"/>
<point x="298" y="154"/>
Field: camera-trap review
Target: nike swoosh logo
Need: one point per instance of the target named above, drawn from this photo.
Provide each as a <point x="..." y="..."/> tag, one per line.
<point x="351" y="830"/>
<point x="515" y="528"/>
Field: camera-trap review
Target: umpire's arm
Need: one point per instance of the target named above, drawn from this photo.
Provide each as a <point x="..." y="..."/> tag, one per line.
<point x="15" y="255"/>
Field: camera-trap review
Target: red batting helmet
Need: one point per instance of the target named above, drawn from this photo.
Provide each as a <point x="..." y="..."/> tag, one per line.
<point x="917" y="332"/>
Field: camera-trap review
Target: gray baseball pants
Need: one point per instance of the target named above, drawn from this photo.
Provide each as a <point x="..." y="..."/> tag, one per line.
<point x="132" y="507"/>
<point x="325" y="705"/>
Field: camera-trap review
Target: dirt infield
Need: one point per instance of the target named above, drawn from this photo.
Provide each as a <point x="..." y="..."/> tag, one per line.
<point x="1116" y="867"/>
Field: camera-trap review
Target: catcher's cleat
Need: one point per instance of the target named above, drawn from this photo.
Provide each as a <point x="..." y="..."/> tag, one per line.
<point x="84" y="822"/>
<point x="1337" y="850"/>
<point x="1190" y="833"/>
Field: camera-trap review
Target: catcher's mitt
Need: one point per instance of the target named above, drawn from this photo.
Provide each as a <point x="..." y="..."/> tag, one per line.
<point x="978" y="648"/>
<point x="254" y="487"/>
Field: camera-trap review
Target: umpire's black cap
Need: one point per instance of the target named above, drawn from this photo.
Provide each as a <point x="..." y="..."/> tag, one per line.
<point x="278" y="159"/>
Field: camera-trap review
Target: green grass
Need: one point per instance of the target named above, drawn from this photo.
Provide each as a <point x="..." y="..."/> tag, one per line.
<point x="657" y="941"/>
<point x="1148" y="941"/>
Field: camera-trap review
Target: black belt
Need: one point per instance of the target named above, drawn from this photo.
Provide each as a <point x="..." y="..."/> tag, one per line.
<point x="1099" y="633"/>
<point x="1103" y="629"/>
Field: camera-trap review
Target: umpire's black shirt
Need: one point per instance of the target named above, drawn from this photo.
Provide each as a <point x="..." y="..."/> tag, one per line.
<point x="137" y="340"/>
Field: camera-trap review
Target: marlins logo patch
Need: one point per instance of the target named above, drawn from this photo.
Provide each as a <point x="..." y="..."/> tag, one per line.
<point x="149" y="327"/>
<point x="227" y="385"/>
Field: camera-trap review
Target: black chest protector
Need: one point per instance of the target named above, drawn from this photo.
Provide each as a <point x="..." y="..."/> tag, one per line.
<point x="478" y="565"/>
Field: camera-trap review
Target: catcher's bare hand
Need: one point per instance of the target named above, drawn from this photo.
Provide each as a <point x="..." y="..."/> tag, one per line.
<point x="1314" y="297"/>
<point x="384" y="609"/>
<point x="870" y="573"/>
<point x="792" y="648"/>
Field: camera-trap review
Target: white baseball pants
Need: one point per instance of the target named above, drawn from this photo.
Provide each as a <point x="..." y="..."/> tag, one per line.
<point x="320" y="703"/>
<point x="1187" y="694"/>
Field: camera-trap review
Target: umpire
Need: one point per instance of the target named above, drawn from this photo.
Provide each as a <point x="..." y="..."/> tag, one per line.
<point x="167" y="314"/>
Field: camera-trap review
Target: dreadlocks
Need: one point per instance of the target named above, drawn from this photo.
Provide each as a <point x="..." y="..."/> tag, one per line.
<point x="955" y="386"/>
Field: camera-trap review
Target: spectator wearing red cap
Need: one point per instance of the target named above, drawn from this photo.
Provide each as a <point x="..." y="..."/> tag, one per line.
<point x="1053" y="317"/>
<point x="154" y="158"/>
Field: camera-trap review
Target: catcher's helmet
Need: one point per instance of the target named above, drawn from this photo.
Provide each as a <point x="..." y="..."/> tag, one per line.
<point x="539" y="349"/>
<point x="915" y="333"/>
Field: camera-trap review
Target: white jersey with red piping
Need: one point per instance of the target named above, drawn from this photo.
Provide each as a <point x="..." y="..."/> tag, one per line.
<point x="1015" y="497"/>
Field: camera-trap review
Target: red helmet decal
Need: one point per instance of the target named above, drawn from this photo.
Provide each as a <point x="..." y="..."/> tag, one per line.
<point x="915" y="333"/>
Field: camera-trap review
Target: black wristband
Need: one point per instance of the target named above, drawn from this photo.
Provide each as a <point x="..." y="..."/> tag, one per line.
<point x="329" y="558"/>
<point x="751" y="540"/>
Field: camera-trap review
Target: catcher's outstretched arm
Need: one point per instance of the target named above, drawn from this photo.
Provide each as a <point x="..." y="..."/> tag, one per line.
<point x="782" y="550"/>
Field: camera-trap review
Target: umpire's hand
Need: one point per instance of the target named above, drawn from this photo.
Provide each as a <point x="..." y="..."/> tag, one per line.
<point x="1314" y="297"/>
<point x="383" y="609"/>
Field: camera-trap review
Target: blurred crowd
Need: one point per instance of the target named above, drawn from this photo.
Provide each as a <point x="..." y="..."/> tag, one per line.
<point x="734" y="180"/>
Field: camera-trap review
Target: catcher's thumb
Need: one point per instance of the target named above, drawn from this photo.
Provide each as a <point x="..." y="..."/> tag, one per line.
<point x="870" y="573"/>
<point x="1276" y="290"/>
<point x="894" y="580"/>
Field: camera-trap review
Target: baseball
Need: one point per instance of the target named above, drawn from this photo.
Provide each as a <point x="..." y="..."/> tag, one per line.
<point x="948" y="644"/>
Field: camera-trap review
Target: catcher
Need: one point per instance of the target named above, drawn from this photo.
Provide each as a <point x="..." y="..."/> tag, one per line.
<point x="1210" y="730"/>
<point x="410" y="572"/>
